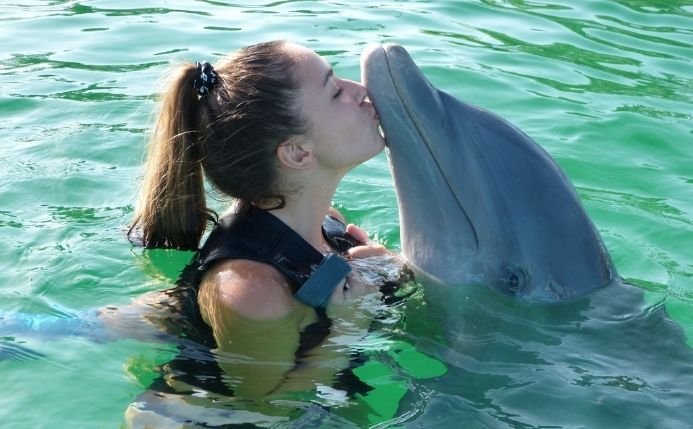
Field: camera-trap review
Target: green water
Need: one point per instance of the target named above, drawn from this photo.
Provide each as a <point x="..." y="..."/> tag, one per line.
<point x="605" y="86"/>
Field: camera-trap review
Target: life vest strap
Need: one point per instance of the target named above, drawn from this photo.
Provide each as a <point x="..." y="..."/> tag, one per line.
<point x="316" y="291"/>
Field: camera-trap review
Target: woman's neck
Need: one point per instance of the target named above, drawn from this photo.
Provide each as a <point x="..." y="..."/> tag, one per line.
<point x="305" y="209"/>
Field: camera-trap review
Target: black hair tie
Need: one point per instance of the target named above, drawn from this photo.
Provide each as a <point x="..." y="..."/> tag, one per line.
<point x="204" y="79"/>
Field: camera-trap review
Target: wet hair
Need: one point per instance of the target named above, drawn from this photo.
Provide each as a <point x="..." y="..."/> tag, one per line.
<point x="230" y="136"/>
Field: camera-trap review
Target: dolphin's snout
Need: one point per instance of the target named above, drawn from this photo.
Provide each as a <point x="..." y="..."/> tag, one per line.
<point x="371" y="50"/>
<point x="394" y="49"/>
<point x="400" y="93"/>
<point x="375" y="75"/>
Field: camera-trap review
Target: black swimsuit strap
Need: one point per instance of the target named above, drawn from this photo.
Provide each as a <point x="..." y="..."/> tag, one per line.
<point x="258" y="235"/>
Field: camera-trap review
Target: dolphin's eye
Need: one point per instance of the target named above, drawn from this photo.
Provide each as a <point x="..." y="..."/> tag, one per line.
<point x="513" y="280"/>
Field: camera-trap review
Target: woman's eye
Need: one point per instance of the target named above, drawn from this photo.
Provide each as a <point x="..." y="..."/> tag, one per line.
<point x="338" y="93"/>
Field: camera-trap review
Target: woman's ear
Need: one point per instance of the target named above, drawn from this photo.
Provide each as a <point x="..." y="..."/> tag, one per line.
<point x="295" y="154"/>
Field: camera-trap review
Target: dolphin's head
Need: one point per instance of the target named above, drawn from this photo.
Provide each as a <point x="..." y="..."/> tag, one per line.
<point x="479" y="201"/>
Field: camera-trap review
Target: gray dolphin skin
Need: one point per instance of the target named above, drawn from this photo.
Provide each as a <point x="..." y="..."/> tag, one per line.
<point x="479" y="201"/>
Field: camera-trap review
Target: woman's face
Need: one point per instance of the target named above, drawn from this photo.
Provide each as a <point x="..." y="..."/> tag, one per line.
<point x="342" y="122"/>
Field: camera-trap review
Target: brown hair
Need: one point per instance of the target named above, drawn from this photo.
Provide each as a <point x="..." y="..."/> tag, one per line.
<point x="231" y="135"/>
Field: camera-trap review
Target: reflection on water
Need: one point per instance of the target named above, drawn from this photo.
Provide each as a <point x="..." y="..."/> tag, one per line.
<point x="200" y="383"/>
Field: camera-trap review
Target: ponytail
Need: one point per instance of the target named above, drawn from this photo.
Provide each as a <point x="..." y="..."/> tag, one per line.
<point x="172" y="211"/>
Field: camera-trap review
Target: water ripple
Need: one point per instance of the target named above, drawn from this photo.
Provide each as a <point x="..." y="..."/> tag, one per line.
<point x="14" y="65"/>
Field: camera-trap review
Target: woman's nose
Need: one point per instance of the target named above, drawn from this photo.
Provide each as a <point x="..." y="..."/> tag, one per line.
<point x="357" y="91"/>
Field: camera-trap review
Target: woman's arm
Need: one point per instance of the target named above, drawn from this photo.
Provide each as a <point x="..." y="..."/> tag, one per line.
<point x="256" y="324"/>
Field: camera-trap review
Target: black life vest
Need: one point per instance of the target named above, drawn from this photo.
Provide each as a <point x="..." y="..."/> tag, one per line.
<point x="258" y="235"/>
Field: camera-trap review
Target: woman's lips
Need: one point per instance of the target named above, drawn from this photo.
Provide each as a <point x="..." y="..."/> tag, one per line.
<point x="370" y="106"/>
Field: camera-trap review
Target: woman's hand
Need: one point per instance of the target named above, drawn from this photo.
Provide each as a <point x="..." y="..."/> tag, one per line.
<point x="367" y="250"/>
<point x="354" y="286"/>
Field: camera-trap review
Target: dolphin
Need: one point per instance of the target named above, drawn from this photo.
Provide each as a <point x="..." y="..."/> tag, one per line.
<point x="479" y="201"/>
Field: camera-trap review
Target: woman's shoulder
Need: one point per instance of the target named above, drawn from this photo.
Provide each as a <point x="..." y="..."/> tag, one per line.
<point x="249" y="289"/>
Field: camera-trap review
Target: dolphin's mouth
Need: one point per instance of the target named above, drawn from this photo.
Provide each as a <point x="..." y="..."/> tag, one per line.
<point x="401" y="97"/>
<point x="399" y="91"/>
<point x="406" y="105"/>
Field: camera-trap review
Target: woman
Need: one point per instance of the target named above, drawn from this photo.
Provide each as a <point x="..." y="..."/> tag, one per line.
<point x="275" y="129"/>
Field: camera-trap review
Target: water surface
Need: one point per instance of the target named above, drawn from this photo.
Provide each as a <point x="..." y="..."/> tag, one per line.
<point x="604" y="86"/>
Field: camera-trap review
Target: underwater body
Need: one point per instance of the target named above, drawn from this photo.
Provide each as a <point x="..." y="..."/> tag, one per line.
<point x="603" y="86"/>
